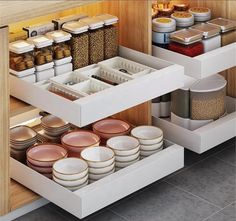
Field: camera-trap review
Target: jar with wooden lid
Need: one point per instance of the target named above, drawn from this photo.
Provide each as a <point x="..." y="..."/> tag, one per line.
<point x="183" y="19"/>
<point x="79" y="43"/>
<point x="110" y="35"/>
<point x="96" y="39"/>
<point x="200" y="14"/>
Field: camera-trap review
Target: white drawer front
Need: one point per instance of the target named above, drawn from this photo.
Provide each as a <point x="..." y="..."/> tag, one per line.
<point x="203" y="65"/>
<point x="106" y="191"/>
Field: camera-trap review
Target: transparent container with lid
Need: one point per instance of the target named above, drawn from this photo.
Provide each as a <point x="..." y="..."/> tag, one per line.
<point x="200" y="14"/>
<point x="110" y="35"/>
<point x="21" y="58"/>
<point x="96" y="39"/>
<point x="183" y="19"/>
<point x="79" y="43"/>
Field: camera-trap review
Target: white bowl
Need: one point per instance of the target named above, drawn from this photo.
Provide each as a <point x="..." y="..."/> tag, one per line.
<point x="123" y="145"/>
<point x="98" y="156"/>
<point x="70" y="169"/>
<point x="151" y="147"/>
<point x="100" y="176"/>
<point x="70" y="183"/>
<point x="102" y="169"/>
<point x="149" y="153"/>
<point x="127" y="158"/>
<point x="125" y="164"/>
<point x="74" y="188"/>
<point x="147" y="135"/>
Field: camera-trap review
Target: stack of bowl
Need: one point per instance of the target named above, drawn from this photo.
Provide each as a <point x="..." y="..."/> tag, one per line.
<point x="110" y="127"/>
<point x="101" y="162"/>
<point x="150" y="139"/>
<point x="72" y="173"/>
<point x="21" y="138"/>
<point x="41" y="157"/>
<point x="126" y="149"/>
<point x="77" y="140"/>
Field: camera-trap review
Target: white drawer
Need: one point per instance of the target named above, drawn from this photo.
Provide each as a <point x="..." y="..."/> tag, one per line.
<point x="203" y="138"/>
<point x="106" y="191"/>
<point x="168" y="77"/>
<point x="203" y="65"/>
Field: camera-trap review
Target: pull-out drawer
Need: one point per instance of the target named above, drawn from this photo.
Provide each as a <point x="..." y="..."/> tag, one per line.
<point x="106" y="191"/>
<point x="205" y="137"/>
<point x="203" y="65"/>
<point x="164" y="78"/>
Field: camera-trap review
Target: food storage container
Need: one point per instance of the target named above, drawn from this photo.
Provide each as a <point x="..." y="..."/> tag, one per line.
<point x="96" y="39"/>
<point x="161" y="29"/>
<point x="165" y="105"/>
<point x="21" y="58"/>
<point x="183" y="19"/>
<point x="181" y="7"/>
<point x="110" y="35"/>
<point x="211" y="36"/>
<point x="79" y="43"/>
<point x="200" y="14"/>
<point x="156" y="107"/>
<point x="165" y="12"/>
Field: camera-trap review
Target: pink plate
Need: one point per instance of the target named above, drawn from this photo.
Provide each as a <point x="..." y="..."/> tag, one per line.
<point x="80" y="138"/>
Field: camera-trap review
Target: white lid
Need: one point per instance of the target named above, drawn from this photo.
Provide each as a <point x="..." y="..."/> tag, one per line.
<point x="182" y="17"/>
<point x="162" y="24"/>
<point x="108" y="19"/>
<point x="40" y="41"/>
<point x="20" y="47"/>
<point x="75" y="27"/>
<point x="59" y="36"/>
<point x="188" y="82"/>
<point x="200" y="11"/>
<point x="93" y="22"/>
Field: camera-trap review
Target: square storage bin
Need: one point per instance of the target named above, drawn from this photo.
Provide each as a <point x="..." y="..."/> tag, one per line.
<point x="62" y="69"/>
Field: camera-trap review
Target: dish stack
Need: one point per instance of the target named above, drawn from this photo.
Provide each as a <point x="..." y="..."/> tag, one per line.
<point x="101" y="162"/>
<point x="126" y="149"/>
<point x="42" y="157"/>
<point x="109" y="128"/>
<point x="72" y="173"/>
<point x="21" y="138"/>
<point x="77" y="140"/>
<point x="150" y="138"/>
<point x="54" y="127"/>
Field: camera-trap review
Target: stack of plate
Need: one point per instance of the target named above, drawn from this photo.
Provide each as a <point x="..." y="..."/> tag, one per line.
<point x="77" y="140"/>
<point x="42" y="157"/>
<point x="109" y="127"/>
<point x="101" y="162"/>
<point x="72" y="173"/>
<point x="21" y="138"/>
<point x="150" y="139"/>
<point x="127" y="150"/>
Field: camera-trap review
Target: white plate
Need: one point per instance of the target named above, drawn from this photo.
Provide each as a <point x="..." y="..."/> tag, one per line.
<point x="123" y="145"/>
<point x="102" y="169"/>
<point x="72" y="183"/>
<point x="100" y="176"/>
<point x="73" y="188"/>
<point x="127" y="158"/>
<point x="125" y="164"/>
<point x="151" y="147"/>
<point x="144" y="153"/>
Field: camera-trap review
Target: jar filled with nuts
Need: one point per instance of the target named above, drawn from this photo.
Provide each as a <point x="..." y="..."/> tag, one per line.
<point x="110" y="35"/>
<point x="21" y="57"/>
<point x="79" y="43"/>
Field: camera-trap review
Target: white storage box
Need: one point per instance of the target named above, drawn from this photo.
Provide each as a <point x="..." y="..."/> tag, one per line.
<point x="44" y="75"/>
<point x="62" y="69"/>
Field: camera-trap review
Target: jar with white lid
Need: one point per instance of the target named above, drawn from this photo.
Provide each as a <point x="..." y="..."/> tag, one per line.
<point x="96" y="39"/>
<point x="211" y="36"/>
<point x="161" y="29"/>
<point x="183" y="19"/>
<point x="21" y="58"/>
<point x="110" y="35"/>
<point x="79" y="43"/>
<point x="200" y="14"/>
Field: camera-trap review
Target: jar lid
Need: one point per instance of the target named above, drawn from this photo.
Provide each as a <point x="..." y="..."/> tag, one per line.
<point x="75" y="27"/>
<point x="183" y="19"/>
<point x="181" y="7"/>
<point x="186" y="36"/>
<point x="93" y="22"/>
<point x="207" y="30"/>
<point x="163" y="24"/>
<point x="40" y="41"/>
<point x="20" y="47"/>
<point x="200" y="11"/>
<point x="224" y="24"/>
<point x="59" y="36"/>
<point x="108" y="19"/>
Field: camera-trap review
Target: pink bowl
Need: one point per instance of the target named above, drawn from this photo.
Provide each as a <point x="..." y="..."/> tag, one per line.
<point x="40" y="169"/>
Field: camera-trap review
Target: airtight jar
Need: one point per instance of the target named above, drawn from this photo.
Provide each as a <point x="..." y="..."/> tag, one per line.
<point x="183" y="19"/>
<point x="181" y="7"/>
<point x="161" y="29"/>
<point x="200" y="14"/>
<point x="79" y="43"/>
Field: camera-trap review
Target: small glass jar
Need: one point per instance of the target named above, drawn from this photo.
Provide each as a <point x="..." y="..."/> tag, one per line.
<point x="79" y="43"/>
<point x="181" y="7"/>
<point x="183" y="19"/>
<point x="21" y="57"/>
<point x="200" y="14"/>
<point x="165" y="105"/>
<point x="165" y="12"/>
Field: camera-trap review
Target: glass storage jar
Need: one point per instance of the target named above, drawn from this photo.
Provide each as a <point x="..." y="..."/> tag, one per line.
<point x="181" y="7"/>
<point x="79" y="43"/>
<point x="183" y="19"/>
<point x="200" y="14"/>
<point x="110" y="35"/>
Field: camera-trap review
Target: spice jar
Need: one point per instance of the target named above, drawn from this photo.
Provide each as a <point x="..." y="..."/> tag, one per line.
<point x="110" y="35"/>
<point x="186" y="42"/>
<point x="79" y="43"/>
<point x="165" y="105"/>
<point x="161" y="29"/>
<point x="156" y="107"/>
<point x="21" y="58"/>
<point x="211" y="36"/>
<point x="96" y="39"/>
<point x="183" y="19"/>
<point x="200" y="14"/>
<point x="181" y="7"/>
<point x="165" y="12"/>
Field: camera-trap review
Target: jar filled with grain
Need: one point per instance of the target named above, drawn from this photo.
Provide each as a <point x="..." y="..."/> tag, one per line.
<point x="79" y="43"/>
<point x="110" y="35"/>
<point x="96" y="39"/>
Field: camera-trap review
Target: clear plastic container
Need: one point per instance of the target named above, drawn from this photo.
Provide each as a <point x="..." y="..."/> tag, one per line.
<point x="79" y="43"/>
